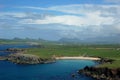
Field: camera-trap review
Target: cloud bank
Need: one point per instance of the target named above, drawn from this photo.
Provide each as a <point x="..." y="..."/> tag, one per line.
<point x="75" y="20"/>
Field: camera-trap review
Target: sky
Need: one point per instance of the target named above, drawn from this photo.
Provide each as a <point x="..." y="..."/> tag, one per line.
<point x="56" y="19"/>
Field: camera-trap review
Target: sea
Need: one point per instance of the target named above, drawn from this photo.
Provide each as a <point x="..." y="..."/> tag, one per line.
<point x="59" y="70"/>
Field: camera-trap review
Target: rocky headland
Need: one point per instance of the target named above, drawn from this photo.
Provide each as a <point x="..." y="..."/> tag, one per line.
<point x="20" y="58"/>
<point x="17" y="56"/>
<point x="101" y="73"/>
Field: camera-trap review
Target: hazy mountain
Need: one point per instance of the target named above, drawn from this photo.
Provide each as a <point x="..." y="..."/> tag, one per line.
<point x="96" y="40"/>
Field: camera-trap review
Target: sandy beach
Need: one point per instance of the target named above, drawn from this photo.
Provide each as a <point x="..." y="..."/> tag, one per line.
<point x="79" y="57"/>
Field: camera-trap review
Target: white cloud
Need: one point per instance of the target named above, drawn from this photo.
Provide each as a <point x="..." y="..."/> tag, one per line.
<point x="82" y="15"/>
<point x="78" y="21"/>
<point x="76" y="8"/>
<point x="90" y="19"/>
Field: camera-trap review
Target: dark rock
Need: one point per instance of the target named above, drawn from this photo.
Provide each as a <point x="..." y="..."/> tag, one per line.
<point x="105" y="60"/>
<point x="73" y="75"/>
<point x="20" y="58"/>
<point x="15" y="50"/>
<point x="101" y="73"/>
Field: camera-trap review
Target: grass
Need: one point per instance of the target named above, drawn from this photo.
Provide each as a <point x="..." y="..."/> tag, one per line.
<point x="111" y="52"/>
<point x="115" y="64"/>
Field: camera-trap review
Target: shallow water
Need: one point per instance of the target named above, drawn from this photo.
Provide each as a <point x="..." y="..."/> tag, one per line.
<point x="60" y="70"/>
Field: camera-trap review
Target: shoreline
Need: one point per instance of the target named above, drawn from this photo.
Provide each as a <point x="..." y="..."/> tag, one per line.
<point x="77" y="58"/>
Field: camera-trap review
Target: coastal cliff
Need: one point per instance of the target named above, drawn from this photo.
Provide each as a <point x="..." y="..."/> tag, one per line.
<point x="101" y="73"/>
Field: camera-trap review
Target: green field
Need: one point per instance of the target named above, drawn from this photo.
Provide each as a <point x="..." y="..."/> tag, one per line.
<point x="105" y="51"/>
<point x="48" y="49"/>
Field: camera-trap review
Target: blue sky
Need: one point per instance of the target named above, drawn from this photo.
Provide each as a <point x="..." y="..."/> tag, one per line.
<point x="56" y="19"/>
<point x="47" y="3"/>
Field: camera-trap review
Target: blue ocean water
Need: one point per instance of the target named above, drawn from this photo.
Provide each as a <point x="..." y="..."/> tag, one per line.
<point x="60" y="70"/>
<point x="6" y="46"/>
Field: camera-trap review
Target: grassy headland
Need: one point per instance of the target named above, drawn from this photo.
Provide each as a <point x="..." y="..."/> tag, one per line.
<point x="104" y="51"/>
<point x="48" y="49"/>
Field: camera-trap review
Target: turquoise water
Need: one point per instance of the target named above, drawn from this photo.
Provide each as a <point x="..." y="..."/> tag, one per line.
<point x="60" y="70"/>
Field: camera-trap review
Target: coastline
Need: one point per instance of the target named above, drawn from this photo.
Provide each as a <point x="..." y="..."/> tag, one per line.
<point x="20" y="58"/>
<point x="94" y="72"/>
<point x="77" y="58"/>
<point x="101" y="73"/>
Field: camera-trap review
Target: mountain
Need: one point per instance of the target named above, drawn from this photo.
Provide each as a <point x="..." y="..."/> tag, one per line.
<point x="96" y="40"/>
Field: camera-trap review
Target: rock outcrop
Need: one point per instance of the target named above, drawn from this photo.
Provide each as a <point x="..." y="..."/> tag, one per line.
<point x="101" y="73"/>
<point x="20" y="58"/>
<point x="105" y="60"/>
<point x="17" y="56"/>
<point x="15" y="50"/>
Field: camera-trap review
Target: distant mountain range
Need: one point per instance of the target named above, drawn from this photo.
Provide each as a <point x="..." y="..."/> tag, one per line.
<point x="96" y="40"/>
<point x="99" y="40"/>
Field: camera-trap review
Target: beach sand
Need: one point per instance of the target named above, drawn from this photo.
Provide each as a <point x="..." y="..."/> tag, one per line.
<point x="77" y="58"/>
